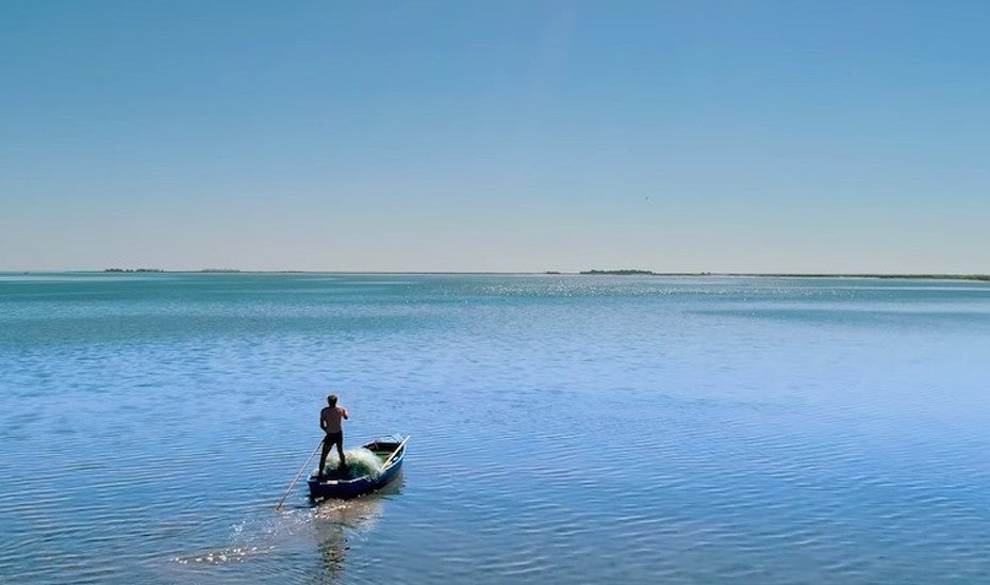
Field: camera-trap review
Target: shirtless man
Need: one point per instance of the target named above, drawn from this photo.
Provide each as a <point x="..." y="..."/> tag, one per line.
<point x="331" y="418"/>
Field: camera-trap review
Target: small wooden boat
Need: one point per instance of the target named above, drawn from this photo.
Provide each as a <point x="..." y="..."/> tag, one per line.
<point x="391" y="450"/>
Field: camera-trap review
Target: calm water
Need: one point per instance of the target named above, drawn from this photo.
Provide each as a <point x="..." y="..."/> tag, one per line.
<point x="565" y="429"/>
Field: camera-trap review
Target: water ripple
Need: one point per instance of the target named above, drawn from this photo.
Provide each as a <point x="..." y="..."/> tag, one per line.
<point x="566" y="429"/>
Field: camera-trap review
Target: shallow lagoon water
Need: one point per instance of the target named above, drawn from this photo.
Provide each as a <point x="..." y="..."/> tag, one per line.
<point x="565" y="429"/>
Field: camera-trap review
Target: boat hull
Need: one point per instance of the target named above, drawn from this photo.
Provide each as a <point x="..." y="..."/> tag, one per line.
<point x="352" y="488"/>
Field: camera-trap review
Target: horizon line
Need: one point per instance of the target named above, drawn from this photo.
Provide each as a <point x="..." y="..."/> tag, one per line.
<point x="624" y="272"/>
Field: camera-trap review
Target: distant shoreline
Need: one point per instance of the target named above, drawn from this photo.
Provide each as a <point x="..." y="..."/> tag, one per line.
<point x="979" y="277"/>
<point x="586" y="273"/>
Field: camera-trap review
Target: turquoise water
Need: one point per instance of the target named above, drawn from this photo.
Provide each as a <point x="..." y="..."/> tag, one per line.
<point x="565" y="429"/>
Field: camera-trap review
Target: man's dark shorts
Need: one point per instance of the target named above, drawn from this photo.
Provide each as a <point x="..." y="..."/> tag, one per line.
<point x="332" y="439"/>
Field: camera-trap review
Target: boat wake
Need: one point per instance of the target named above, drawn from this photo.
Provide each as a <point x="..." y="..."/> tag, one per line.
<point x="236" y="554"/>
<point x="327" y="527"/>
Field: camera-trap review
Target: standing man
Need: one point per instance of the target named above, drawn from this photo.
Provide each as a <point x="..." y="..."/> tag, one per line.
<point x="331" y="418"/>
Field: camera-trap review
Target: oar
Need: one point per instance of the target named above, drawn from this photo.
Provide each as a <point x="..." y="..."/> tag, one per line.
<point x="394" y="453"/>
<point x="293" y="484"/>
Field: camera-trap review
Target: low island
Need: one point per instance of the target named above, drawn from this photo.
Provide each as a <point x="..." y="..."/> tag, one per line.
<point x="622" y="272"/>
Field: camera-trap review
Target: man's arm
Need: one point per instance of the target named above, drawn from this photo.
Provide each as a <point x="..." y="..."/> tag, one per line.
<point x="323" y="422"/>
<point x="345" y="414"/>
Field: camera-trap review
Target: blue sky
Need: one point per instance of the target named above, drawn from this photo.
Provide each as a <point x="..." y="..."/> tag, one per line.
<point x="687" y="136"/>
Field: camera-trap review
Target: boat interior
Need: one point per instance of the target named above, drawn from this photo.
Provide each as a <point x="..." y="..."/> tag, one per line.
<point x="381" y="449"/>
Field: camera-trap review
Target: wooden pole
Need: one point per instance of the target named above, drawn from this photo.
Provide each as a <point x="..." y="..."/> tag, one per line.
<point x="301" y="469"/>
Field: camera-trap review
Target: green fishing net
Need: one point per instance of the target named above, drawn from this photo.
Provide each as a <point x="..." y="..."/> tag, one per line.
<point x="360" y="462"/>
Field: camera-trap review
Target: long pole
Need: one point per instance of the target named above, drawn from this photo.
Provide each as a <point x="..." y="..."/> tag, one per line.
<point x="301" y="469"/>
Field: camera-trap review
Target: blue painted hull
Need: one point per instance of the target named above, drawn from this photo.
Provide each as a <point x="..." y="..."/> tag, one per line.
<point x="352" y="488"/>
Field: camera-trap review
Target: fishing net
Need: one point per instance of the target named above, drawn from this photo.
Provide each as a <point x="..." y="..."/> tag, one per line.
<point x="360" y="462"/>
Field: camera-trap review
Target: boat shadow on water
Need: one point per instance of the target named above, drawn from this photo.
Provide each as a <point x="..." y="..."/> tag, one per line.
<point x="335" y="522"/>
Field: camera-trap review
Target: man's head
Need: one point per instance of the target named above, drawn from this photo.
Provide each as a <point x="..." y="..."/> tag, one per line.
<point x="332" y="400"/>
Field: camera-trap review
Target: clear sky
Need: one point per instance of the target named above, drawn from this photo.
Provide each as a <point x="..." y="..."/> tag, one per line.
<point x="674" y="136"/>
